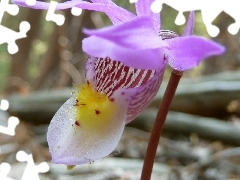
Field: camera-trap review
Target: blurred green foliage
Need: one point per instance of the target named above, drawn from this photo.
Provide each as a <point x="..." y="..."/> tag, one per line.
<point x="5" y="64"/>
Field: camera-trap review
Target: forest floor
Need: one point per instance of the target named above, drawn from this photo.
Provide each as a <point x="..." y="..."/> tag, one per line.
<point x="179" y="156"/>
<point x="201" y="138"/>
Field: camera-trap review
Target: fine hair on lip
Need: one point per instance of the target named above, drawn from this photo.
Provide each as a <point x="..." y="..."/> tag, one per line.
<point x="167" y="34"/>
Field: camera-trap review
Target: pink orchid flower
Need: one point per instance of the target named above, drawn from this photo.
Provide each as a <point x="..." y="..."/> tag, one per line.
<point x="123" y="74"/>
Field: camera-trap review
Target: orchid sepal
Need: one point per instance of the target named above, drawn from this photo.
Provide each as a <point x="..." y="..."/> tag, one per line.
<point x="188" y="51"/>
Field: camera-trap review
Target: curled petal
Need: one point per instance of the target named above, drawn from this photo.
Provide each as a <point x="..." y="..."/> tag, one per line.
<point x="137" y="33"/>
<point x="133" y="43"/>
<point x="110" y="9"/>
<point x="188" y="51"/>
<point x="140" y="59"/>
<point x="72" y="143"/>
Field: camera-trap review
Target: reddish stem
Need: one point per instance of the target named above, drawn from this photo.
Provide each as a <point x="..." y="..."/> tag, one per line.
<point x="159" y="123"/>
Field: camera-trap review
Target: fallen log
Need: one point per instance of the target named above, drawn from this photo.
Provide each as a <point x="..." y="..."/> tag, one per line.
<point x="210" y="128"/>
<point x="203" y="96"/>
<point x="38" y="107"/>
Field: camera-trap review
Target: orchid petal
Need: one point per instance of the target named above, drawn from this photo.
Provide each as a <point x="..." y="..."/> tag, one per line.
<point x="111" y="10"/>
<point x="143" y="8"/>
<point x="73" y="144"/>
<point x="188" y="31"/>
<point x="136" y="34"/>
<point x="113" y="19"/>
<point x="133" y="43"/>
<point x="188" y="51"/>
<point x="139" y="59"/>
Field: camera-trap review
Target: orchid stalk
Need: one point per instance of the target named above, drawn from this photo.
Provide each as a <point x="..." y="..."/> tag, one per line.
<point x="124" y="72"/>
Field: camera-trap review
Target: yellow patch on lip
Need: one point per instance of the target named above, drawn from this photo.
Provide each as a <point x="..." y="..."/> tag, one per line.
<point x="93" y="109"/>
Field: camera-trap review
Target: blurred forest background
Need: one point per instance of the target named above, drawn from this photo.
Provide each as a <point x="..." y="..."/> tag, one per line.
<point x="51" y="56"/>
<point x="39" y="78"/>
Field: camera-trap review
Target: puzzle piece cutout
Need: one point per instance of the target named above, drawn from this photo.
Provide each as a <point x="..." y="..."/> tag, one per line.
<point x="10" y="8"/>
<point x="12" y="124"/>
<point x="12" y="121"/>
<point x="31" y="171"/>
<point x="4" y="170"/>
<point x="76" y="11"/>
<point x="7" y="35"/>
<point x="52" y="16"/>
<point x="133" y="1"/>
<point x="4" y="105"/>
<point x="210" y="10"/>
